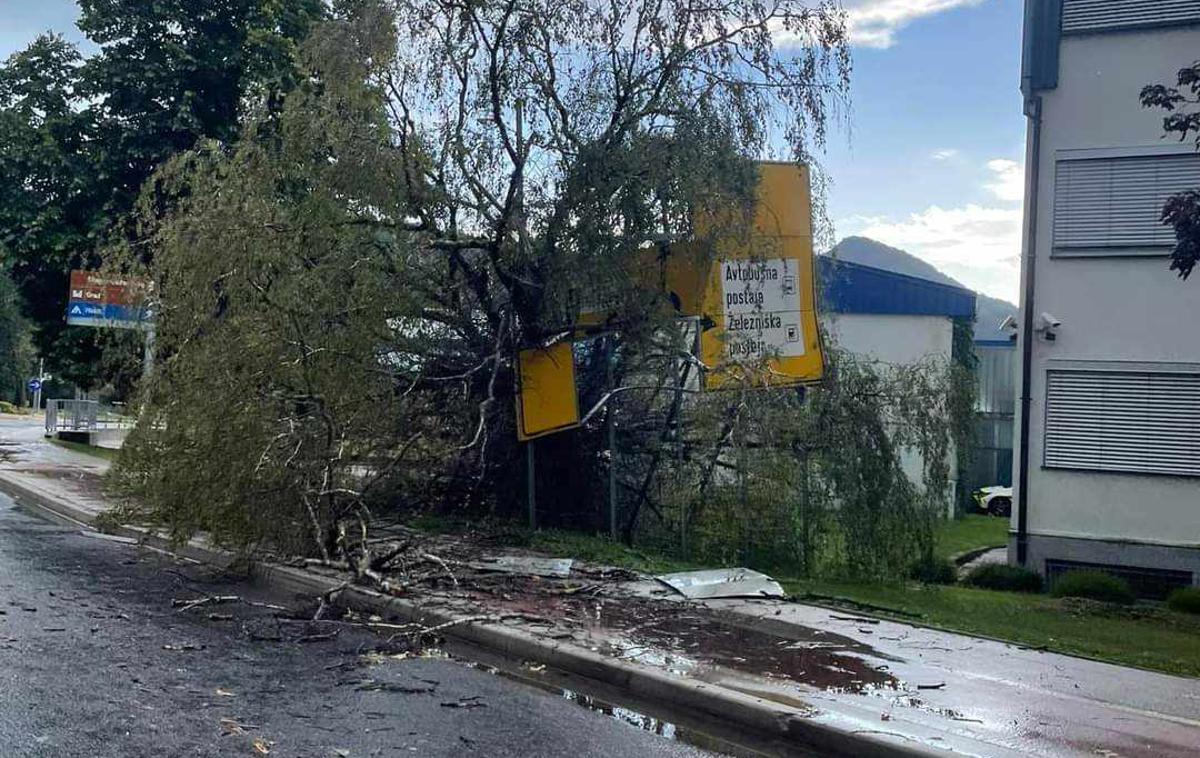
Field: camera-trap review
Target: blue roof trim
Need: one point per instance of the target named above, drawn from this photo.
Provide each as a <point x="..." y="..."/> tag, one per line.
<point x="854" y="288"/>
<point x="997" y="343"/>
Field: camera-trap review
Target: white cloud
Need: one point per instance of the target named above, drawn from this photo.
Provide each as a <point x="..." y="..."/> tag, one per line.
<point x="944" y="154"/>
<point x="874" y="23"/>
<point x="980" y="246"/>
<point x="1008" y="181"/>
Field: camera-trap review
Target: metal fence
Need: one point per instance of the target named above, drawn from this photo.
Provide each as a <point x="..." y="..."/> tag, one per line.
<point x="82" y="416"/>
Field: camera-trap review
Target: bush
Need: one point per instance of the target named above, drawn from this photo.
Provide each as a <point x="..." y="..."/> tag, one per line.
<point x="7" y="407"/>
<point x="1005" y="578"/>
<point x="1185" y="600"/>
<point x="934" y="571"/>
<point x="1093" y="585"/>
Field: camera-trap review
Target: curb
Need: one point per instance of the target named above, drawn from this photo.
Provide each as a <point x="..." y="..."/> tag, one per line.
<point x="706" y="702"/>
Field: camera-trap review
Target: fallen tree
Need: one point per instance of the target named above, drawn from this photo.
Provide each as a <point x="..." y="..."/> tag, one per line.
<point x="342" y="293"/>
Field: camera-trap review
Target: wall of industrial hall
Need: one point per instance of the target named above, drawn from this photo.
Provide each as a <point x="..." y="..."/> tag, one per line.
<point x="893" y="318"/>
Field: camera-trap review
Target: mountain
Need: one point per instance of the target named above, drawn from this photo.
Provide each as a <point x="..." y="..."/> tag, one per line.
<point x="989" y="311"/>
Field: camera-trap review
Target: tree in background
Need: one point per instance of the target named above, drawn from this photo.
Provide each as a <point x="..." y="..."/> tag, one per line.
<point x="78" y="137"/>
<point x="1181" y="211"/>
<point x="51" y="193"/>
<point x="16" y="349"/>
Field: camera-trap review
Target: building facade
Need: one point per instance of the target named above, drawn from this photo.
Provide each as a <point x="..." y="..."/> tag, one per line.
<point x="1107" y="459"/>
<point x="995" y="406"/>
<point x="887" y="317"/>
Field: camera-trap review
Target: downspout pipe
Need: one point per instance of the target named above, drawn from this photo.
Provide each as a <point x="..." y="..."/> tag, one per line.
<point x="1033" y="112"/>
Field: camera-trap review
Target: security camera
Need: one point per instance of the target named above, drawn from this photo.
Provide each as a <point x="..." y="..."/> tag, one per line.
<point x="1009" y="323"/>
<point x="1049" y="322"/>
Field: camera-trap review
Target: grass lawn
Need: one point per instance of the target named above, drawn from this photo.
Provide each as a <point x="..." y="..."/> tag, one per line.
<point x="95" y="452"/>
<point x="1144" y="636"/>
<point x="1149" y="637"/>
<point x="971" y="532"/>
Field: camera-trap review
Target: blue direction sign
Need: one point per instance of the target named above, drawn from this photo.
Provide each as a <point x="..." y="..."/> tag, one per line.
<point x="35" y="385"/>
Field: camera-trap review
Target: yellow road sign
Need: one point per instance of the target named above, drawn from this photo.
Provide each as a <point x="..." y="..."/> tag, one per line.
<point x="547" y="400"/>
<point x="760" y="301"/>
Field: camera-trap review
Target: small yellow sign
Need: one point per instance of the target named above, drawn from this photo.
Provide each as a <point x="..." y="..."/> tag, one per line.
<point x="547" y="400"/>
<point x="760" y="303"/>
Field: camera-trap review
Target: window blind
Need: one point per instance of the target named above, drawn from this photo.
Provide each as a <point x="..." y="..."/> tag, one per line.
<point x="1083" y="16"/>
<point x="1114" y="205"/>
<point x="1123" y="422"/>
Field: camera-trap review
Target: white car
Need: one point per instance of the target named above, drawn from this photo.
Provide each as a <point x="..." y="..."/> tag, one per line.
<point x="996" y="501"/>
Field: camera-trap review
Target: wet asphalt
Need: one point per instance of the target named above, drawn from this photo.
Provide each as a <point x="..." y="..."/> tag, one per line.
<point x="96" y="661"/>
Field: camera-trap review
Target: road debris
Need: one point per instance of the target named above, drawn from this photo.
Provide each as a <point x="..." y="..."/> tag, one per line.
<point x="371" y="685"/>
<point x="232" y="727"/>
<point x="184" y="605"/>
<point x="722" y="583"/>
<point x="529" y="565"/>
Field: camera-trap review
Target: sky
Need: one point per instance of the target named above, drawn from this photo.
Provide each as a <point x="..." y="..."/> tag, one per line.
<point x="929" y="157"/>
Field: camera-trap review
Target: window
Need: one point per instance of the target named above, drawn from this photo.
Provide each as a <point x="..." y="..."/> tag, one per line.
<point x="1113" y="206"/>
<point x="1082" y="16"/>
<point x="1123" y="422"/>
<point x="1153" y="583"/>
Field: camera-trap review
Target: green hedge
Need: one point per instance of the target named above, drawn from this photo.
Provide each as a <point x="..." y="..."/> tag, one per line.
<point x="1185" y="600"/>
<point x="934" y="570"/>
<point x="1093" y="585"/>
<point x="1001" y="576"/>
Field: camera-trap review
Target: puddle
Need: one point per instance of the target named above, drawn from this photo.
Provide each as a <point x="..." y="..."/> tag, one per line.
<point x="633" y="718"/>
<point x="664" y="728"/>
<point x="688" y="640"/>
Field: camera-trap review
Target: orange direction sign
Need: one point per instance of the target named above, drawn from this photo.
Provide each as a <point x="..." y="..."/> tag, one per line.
<point x="548" y="401"/>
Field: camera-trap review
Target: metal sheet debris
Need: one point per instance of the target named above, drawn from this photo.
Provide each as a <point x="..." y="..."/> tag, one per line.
<point x="558" y="568"/>
<point x="715" y="583"/>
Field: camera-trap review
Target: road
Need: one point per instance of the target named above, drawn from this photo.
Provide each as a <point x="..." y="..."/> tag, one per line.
<point x="95" y="661"/>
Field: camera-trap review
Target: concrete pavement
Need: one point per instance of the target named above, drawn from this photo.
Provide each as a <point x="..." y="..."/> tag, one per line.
<point x="833" y="671"/>
<point x="95" y="662"/>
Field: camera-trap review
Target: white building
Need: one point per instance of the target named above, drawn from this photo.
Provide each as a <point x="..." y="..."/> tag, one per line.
<point x="1107" y="459"/>
<point x="893" y="318"/>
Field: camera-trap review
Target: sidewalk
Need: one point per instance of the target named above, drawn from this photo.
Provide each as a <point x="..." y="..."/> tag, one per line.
<point x="836" y="683"/>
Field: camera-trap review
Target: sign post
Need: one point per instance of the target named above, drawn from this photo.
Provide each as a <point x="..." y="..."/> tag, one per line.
<point x="35" y="387"/>
<point x="761" y="296"/>
<point x="547" y="398"/>
<point x="112" y="302"/>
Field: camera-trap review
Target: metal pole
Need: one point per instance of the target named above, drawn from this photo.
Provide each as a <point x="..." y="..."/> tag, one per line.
<point x="693" y="324"/>
<point x="611" y="424"/>
<point x="531" y="483"/>
<point x="1033" y="111"/>
<point x="148" y="353"/>
<point x="744" y="489"/>
<point x="37" y="394"/>
<point x="612" y="476"/>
